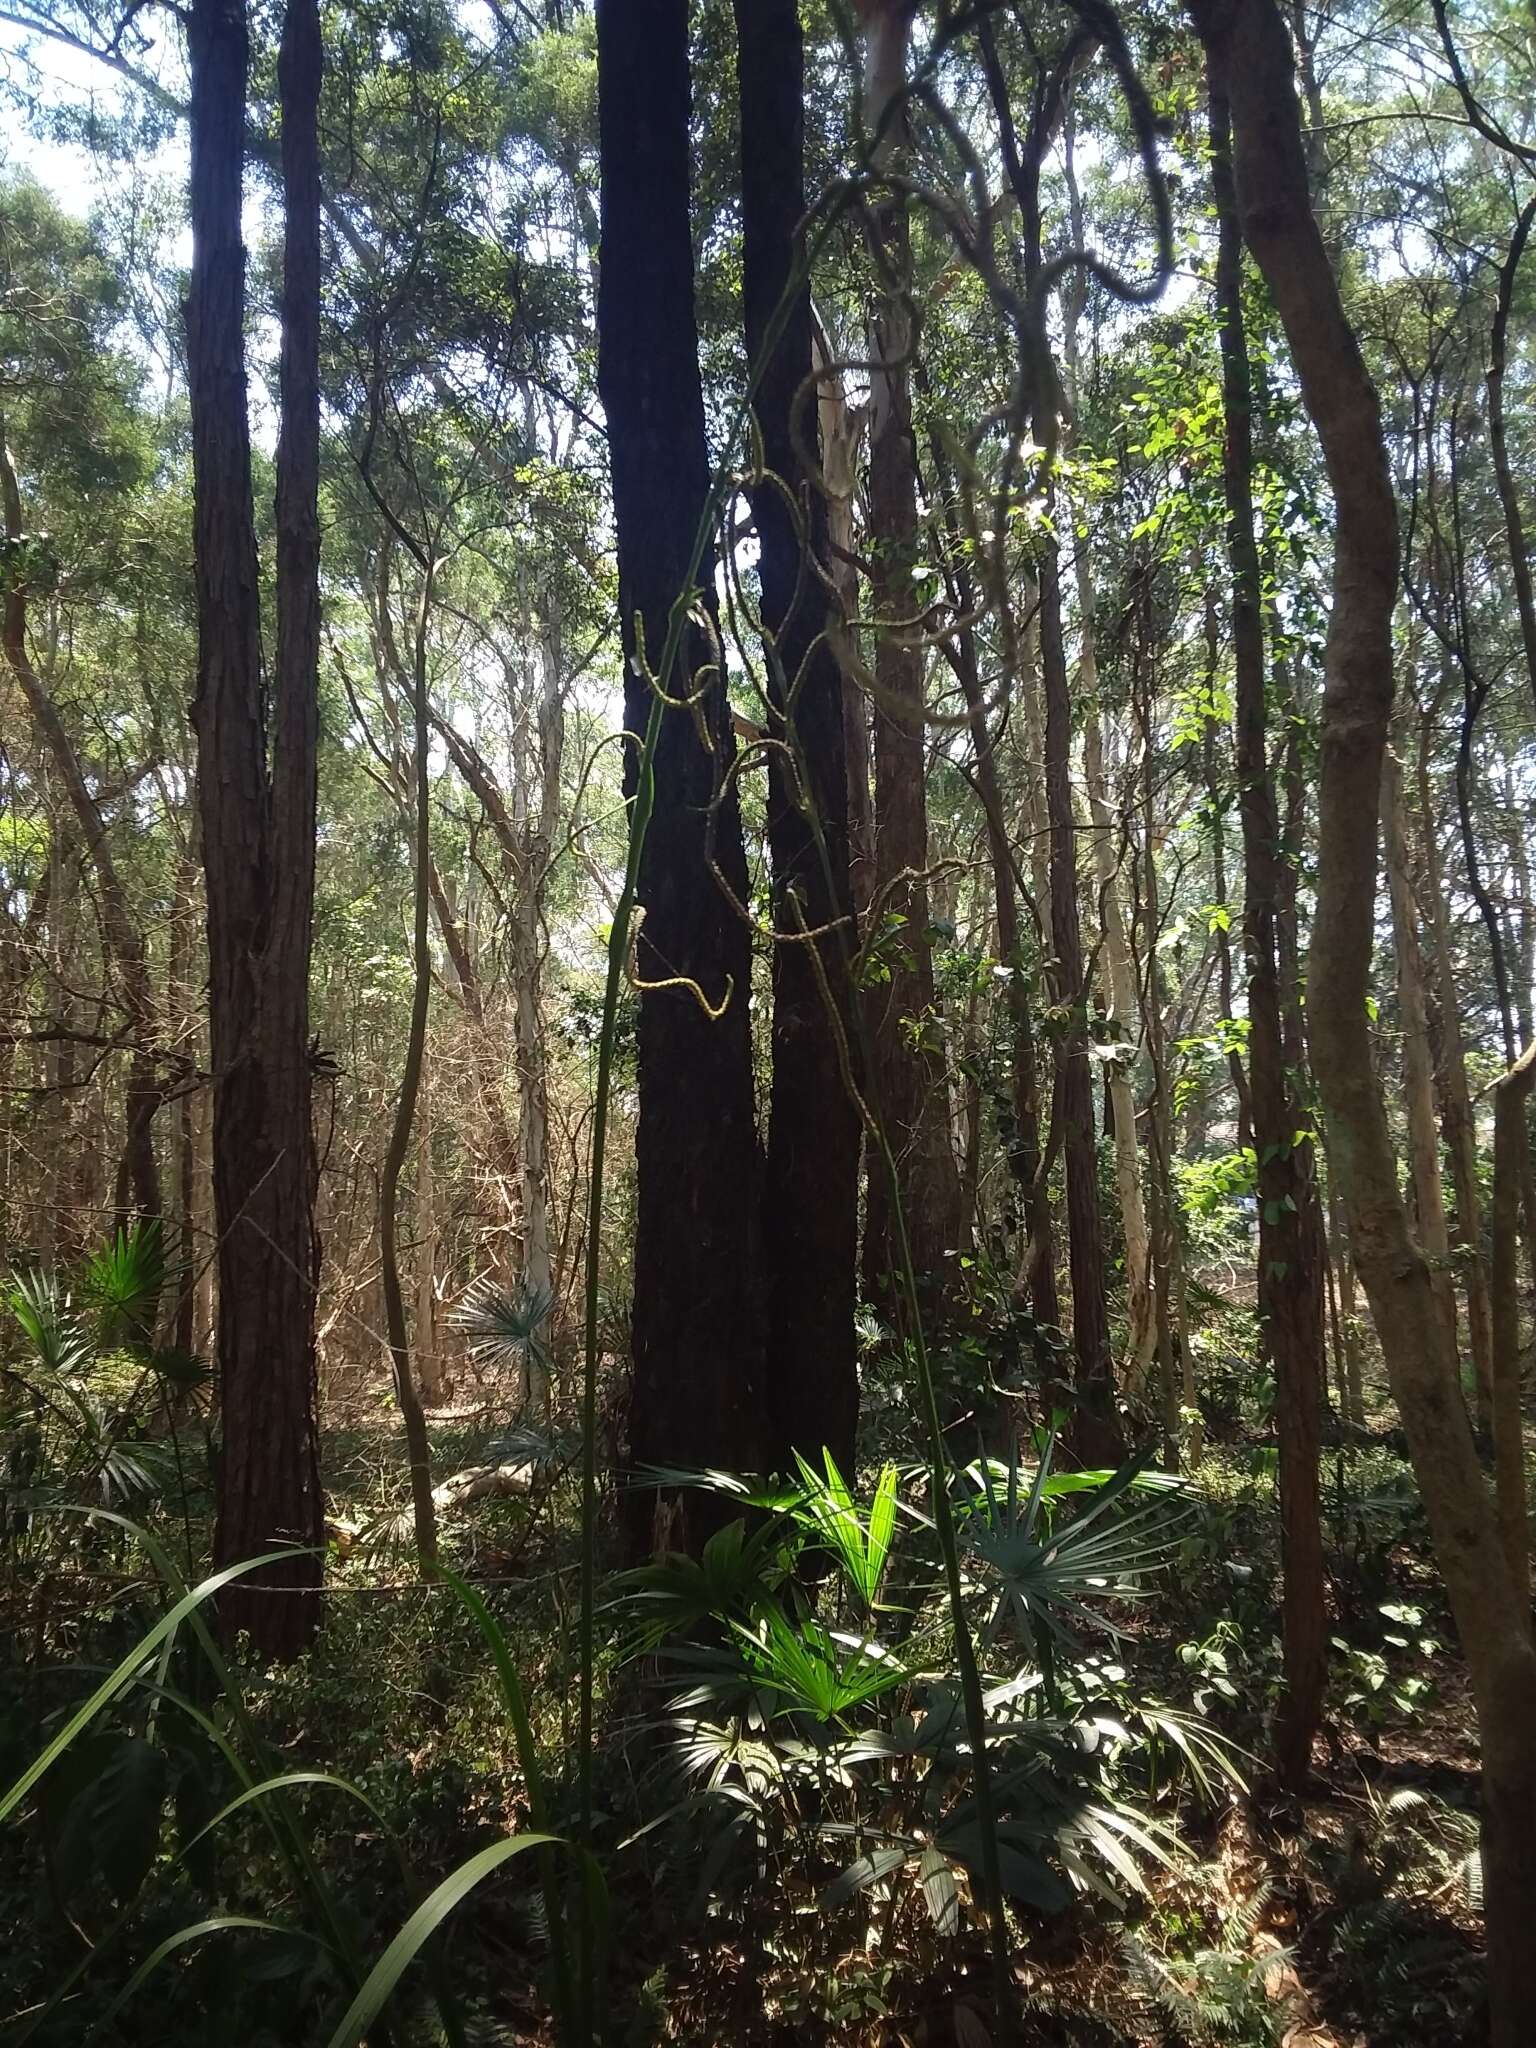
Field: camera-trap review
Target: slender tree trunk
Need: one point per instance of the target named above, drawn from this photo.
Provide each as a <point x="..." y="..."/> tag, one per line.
<point x="1144" y="1331"/>
<point x="1510" y="1149"/>
<point x="123" y="939"/>
<point x="1171" y="1307"/>
<point x="697" y="1394"/>
<point x="1095" y="1428"/>
<point x="1036" y="1278"/>
<point x="185" y="1005"/>
<point x="1095" y="1432"/>
<point x="1216" y="796"/>
<point x="1142" y="1335"/>
<point x="62" y="1234"/>
<point x="842" y="431"/>
<point x="1351" y="1377"/>
<point x="1418" y="1073"/>
<point x="909" y="1091"/>
<point x="258" y="830"/>
<point x="1509" y="496"/>
<point x="1251" y="57"/>
<point x="407" y="1392"/>
<point x="1290" y="1279"/>
<point x="810" y="1214"/>
<point x="1457" y="1122"/>
<point x="429" y="1364"/>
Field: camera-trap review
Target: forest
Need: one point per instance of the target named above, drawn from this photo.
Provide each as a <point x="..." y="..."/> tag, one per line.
<point x="767" y="1023"/>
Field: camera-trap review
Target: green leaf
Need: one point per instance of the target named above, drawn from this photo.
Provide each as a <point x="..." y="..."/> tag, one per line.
<point x="130" y="1665"/>
<point x="180" y="1939"/>
<point x="864" y="1871"/>
<point x="379" y="1985"/>
<point x="939" y="1890"/>
<point x="284" y="1783"/>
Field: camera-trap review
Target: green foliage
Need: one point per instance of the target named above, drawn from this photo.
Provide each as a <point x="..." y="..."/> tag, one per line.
<point x="793" y="1735"/>
<point x="1222" y="1991"/>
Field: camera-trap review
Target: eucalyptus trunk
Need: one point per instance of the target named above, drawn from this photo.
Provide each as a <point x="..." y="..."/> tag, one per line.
<point x="1250" y="56"/>
<point x="1290" y="1288"/>
<point x="258" y="824"/>
<point x="810" y="1195"/>
<point x="909" y="1090"/>
<point x="697" y="1393"/>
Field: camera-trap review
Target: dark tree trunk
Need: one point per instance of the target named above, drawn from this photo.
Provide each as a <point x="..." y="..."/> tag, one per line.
<point x="1251" y="59"/>
<point x="697" y="1330"/>
<point x="1498" y="442"/>
<point x="258" y="841"/>
<point x="1290" y="1275"/>
<point x="1094" y="1430"/>
<point x="810" y="1215"/>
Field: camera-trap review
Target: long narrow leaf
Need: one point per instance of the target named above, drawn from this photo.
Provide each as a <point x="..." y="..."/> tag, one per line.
<point x="219" y="1924"/>
<point x="283" y="1784"/>
<point x="379" y="1985"/>
<point x="83" y="1716"/>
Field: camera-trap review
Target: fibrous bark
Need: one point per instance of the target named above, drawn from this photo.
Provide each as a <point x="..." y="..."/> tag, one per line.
<point x="696" y="1328"/>
<point x="258" y="828"/>
<point x="810" y="1195"/>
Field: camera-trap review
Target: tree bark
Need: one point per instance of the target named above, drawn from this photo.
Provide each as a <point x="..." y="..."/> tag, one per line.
<point x="1510" y="1150"/>
<point x="1418" y="1071"/>
<point x="910" y="1091"/>
<point x="1144" y="1328"/>
<point x="1094" y="1430"/>
<point x="1249" y="52"/>
<point x="810" y="1212"/>
<point x="124" y="941"/>
<point x="1498" y="442"/>
<point x="1456" y="1118"/>
<point x="697" y="1396"/>
<point x="258" y="830"/>
<point x="429" y="1364"/>
<point x="407" y="1389"/>
<point x="1290" y="1279"/>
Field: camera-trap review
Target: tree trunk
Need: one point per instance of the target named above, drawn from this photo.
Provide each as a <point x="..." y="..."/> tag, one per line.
<point x="429" y="1364"/>
<point x="1094" y="1430"/>
<point x="123" y="939"/>
<point x="1036" y="1276"/>
<point x="810" y="1214"/>
<point x="1143" y="1328"/>
<point x="1511" y="1094"/>
<point x="258" y="831"/>
<point x="1509" y="496"/>
<point x="1249" y="52"/>
<point x="697" y="1394"/>
<point x="407" y="1391"/>
<point x="185" y="1001"/>
<point x="1418" y="1072"/>
<point x="1290" y="1280"/>
<point x="842" y="431"/>
<point x="1457" y="1122"/>
<point x="1351" y="1390"/>
<point x="909" y="1088"/>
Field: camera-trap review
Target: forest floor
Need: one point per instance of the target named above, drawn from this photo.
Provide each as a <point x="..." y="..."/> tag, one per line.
<point x="1348" y="1920"/>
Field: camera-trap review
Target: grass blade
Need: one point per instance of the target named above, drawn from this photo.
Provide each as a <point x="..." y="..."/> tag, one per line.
<point x="180" y="1939"/>
<point x="83" y="1716"/>
<point x="378" y="1986"/>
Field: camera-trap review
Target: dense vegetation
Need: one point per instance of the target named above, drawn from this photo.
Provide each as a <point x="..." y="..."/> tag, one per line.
<point x="768" y="973"/>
